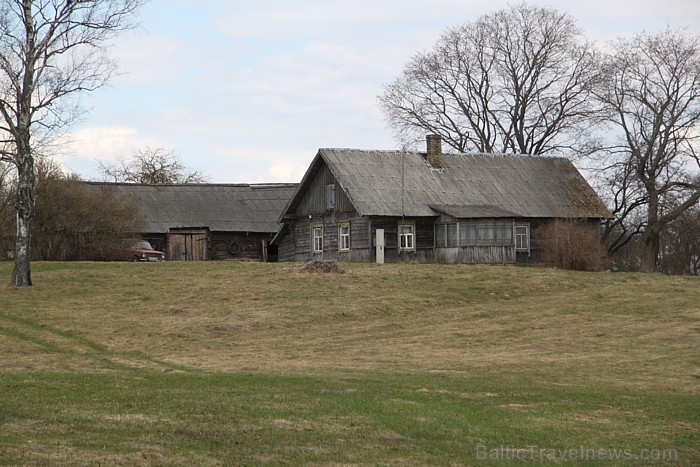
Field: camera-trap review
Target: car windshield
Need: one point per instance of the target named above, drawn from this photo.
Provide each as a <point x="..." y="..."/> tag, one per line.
<point x="142" y="245"/>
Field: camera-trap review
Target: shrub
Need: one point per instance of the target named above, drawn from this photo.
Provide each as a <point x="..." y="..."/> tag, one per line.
<point x="573" y="244"/>
<point x="74" y="222"/>
<point x="71" y="221"/>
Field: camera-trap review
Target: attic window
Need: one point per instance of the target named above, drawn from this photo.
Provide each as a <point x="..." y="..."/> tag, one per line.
<point x="330" y="197"/>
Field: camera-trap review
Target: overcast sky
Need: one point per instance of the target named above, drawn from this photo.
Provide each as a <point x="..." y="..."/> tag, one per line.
<point x="246" y="92"/>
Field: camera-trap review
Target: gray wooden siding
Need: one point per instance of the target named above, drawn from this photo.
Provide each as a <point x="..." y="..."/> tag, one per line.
<point x="237" y="245"/>
<point x="295" y="244"/>
<point x="314" y="201"/>
<point x="476" y="255"/>
<point x="287" y="246"/>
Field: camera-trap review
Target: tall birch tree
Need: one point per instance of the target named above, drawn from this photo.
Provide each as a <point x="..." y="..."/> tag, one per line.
<point x="51" y="51"/>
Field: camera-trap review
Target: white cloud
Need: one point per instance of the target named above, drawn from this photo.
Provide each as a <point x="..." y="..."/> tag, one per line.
<point x="286" y="171"/>
<point x="247" y="91"/>
<point x="83" y="148"/>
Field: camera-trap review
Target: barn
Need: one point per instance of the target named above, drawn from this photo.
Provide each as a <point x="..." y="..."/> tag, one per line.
<point x="353" y="205"/>
<point x="196" y="222"/>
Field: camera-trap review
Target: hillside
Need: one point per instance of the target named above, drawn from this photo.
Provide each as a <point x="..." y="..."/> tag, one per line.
<point x="587" y="359"/>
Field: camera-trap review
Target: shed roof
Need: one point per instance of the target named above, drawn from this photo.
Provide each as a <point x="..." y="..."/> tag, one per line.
<point x="218" y="207"/>
<point x="475" y="211"/>
<point x="402" y="183"/>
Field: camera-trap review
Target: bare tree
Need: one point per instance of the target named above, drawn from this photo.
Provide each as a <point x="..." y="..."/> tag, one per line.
<point x="150" y="166"/>
<point x="680" y="244"/>
<point x="516" y="81"/>
<point x="50" y="51"/>
<point x="652" y="95"/>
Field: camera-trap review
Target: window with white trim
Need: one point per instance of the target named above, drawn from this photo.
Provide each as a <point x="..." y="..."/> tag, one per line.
<point x="344" y="237"/>
<point x="317" y="238"/>
<point x="406" y="236"/>
<point x="522" y="237"/>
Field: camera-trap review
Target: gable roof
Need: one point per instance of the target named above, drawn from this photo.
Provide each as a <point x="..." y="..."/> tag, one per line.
<point x="480" y="185"/>
<point x="219" y="207"/>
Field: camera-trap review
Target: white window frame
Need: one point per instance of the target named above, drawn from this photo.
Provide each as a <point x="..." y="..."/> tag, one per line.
<point x="410" y="237"/>
<point x="317" y="240"/>
<point x="344" y="238"/>
<point x="518" y="236"/>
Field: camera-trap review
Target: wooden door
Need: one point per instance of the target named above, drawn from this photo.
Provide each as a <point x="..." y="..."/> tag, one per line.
<point x="187" y="245"/>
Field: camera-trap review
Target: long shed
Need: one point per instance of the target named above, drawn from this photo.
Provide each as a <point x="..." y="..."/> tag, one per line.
<point x="208" y="221"/>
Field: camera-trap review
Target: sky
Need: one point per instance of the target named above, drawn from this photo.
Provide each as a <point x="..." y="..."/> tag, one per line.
<point x="247" y="91"/>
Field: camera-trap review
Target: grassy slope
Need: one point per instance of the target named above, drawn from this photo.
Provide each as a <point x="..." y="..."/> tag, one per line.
<point x="245" y="362"/>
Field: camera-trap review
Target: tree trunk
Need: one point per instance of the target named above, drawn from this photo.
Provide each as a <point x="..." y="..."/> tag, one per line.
<point x="650" y="254"/>
<point x="652" y="233"/>
<point x="22" y="274"/>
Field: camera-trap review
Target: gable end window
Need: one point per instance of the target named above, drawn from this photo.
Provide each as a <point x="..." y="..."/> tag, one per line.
<point x="317" y="238"/>
<point x="407" y="236"/>
<point x="330" y="197"/>
<point x="344" y="237"/>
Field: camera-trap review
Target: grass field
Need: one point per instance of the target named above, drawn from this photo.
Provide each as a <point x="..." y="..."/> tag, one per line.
<point x="229" y="363"/>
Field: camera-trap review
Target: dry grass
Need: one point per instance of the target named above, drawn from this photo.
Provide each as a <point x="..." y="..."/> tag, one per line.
<point x="627" y="329"/>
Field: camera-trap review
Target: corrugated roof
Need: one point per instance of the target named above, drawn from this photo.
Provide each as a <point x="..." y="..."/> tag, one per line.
<point x="527" y="186"/>
<point x="218" y="207"/>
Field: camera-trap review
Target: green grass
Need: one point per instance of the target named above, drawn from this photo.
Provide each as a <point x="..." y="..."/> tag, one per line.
<point x="252" y="363"/>
<point x="252" y="418"/>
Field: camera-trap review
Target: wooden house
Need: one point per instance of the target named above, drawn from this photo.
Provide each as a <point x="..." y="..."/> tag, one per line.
<point x="431" y="207"/>
<point x="208" y="221"/>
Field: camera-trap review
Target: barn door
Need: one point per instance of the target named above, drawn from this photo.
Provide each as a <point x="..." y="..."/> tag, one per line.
<point x="187" y="245"/>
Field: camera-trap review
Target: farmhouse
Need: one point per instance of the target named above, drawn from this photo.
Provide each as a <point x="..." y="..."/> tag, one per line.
<point x="353" y="205"/>
<point x="208" y="221"/>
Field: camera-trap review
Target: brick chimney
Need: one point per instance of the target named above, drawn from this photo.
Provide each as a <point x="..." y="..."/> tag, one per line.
<point x="434" y="143"/>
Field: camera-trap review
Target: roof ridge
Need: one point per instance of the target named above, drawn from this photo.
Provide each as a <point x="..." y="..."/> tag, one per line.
<point x="456" y="154"/>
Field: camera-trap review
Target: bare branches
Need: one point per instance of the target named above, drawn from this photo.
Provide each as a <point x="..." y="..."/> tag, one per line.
<point x="153" y="166"/>
<point x="517" y="81"/>
<point x="652" y="96"/>
<point x="50" y="52"/>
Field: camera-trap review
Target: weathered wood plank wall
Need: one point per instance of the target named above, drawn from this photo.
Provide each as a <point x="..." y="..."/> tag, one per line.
<point x="476" y="255"/>
<point x="315" y="202"/>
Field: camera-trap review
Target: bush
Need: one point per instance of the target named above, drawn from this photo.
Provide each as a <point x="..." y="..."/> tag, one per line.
<point x="573" y="244"/>
<point x="74" y="222"/>
<point x="71" y="221"/>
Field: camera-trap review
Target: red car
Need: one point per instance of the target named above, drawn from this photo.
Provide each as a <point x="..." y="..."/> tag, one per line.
<point x="140" y="250"/>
